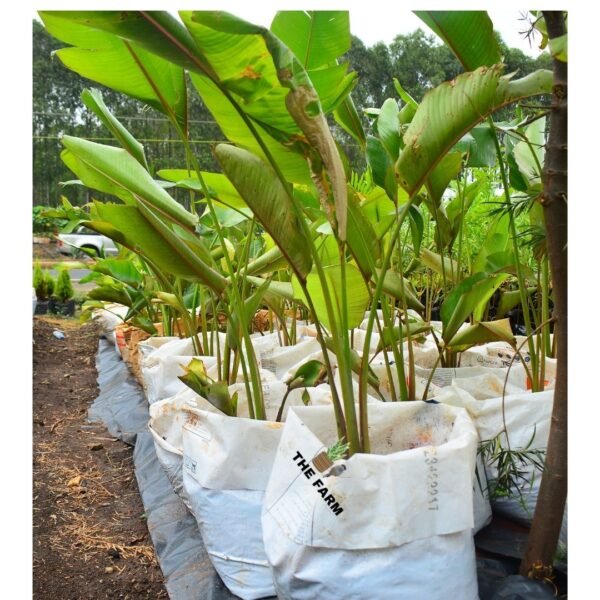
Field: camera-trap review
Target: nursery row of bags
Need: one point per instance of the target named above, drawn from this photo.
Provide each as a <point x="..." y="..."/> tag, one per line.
<point x="282" y="513"/>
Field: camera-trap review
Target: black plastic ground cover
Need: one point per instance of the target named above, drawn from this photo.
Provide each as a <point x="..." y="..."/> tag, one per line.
<point x="122" y="407"/>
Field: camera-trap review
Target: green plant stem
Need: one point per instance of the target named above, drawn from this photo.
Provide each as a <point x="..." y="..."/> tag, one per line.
<point x="256" y="396"/>
<point x="513" y="231"/>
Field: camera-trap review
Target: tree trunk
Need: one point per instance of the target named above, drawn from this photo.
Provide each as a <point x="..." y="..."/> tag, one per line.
<point x="547" y="519"/>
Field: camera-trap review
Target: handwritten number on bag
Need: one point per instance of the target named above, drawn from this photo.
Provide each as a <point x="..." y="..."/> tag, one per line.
<point x="432" y="477"/>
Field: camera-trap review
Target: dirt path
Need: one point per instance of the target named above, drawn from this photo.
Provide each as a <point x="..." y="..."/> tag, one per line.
<point x="90" y="540"/>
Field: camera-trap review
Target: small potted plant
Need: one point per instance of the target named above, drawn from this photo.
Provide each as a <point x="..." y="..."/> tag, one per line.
<point x="43" y="283"/>
<point x="64" y="303"/>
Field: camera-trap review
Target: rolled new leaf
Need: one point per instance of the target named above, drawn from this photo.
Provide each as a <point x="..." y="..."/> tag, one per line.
<point x="93" y="100"/>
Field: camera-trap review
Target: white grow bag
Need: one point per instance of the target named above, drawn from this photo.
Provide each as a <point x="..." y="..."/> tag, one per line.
<point x="227" y="462"/>
<point x="394" y="524"/>
<point x="527" y="416"/>
<point x="167" y="418"/>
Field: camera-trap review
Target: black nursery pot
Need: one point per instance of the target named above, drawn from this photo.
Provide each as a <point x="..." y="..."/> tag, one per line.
<point x="41" y="307"/>
<point x="66" y="309"/>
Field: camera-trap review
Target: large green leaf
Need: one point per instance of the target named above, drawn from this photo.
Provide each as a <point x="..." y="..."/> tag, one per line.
<point x="388" y="128"/>
<point x="362" y="239"/>
<point x="529" y="155"/>
<point x="382" y="167"/>
<point x="264" y="193"/>
<point x="393" y="284"/>
<point x="317" y="38"/>
<point x="468" y="33"/>
<point x="219" y="187"/>
<point x="464" y="299"/>
<point x="109" y="294"/>
<point x="121" y="269"/>
<point x="138" y="230"/>
<point x="444" y="266"/>
<point x="479" y="146"/>
<point x="497" y="240"/>
<point x="357" y="294"/>
<point x="451" y="110"/>
<point x="93" y="100"/>
<point x="118" y="63"/>
<point x="114" y="170"/>
<point x="483" y="332"/>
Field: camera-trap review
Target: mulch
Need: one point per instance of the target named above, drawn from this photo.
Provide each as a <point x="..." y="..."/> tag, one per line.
<point x="90" y="538"/>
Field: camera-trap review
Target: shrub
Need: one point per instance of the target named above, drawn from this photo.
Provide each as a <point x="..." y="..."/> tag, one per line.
<point x="64" y="288"/>
<point x="50" y="283"/>
<point x="40" y="282"/>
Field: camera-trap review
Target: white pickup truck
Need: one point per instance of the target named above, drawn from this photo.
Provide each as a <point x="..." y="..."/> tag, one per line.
<point x="74" y="244"/>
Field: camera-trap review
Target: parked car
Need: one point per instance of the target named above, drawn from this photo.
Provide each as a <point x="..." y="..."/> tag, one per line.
<point x="76" y="243"/>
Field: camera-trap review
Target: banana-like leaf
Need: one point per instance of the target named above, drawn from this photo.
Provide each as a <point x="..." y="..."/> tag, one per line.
<point x="347" y="117"/>
<point x="479" y="146"/>
<point x="117" y="62"/>
<point x="239" y="53"/>
<point x="483" y="332"/>
<point x="382" y="167"/>
<point x="379" y="209"/>
<point x="388" y="128"/>
<point x="446" y="170"/>
<point x="109" y="294"/>
<point x="317" y="38"/>
<point x="457" y="205"/>
<point x="93" y="100"/>
<point x="496" y="240"/>
<point x="444" y="266"/>
<point x="451" y="110"/>
<point x="530" y="156"/>
<point x="417" y="228"/>
<point x="140" y="231"/>
<point x="392" y="285"/>
<point x="357" y="294"/>
<point x="105" y="167"/>
<point x="281" y="290"/>
<point x="258" y="184"/>
<point x="219" y="187"/>
<point x="269" y="262"/>
<point x="510" y="299"/>
<point x="391" y="336"/>
<point x="465" y="298"/>
<point x="122" y="270"/>
<point x="362" y="239"/>
<point x="468" y="33"/>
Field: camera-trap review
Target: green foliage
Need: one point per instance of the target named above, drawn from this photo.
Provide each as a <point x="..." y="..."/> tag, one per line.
<point x="39" y="282"/>
<point x="513" y="467"/>
<point x="338" y="450"/>
<point x="52" y="284"/>
<point x="42" y="223"/>
<point x="64" y="287"/>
